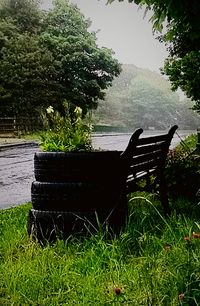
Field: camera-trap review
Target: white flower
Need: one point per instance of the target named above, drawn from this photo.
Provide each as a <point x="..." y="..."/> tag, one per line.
<point x="50" y="110"/>
<point x="78" y="111"/>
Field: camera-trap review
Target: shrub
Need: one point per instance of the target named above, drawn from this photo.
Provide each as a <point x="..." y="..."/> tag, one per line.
<point x="65" y="133"/>
<point x="183" y="170"/>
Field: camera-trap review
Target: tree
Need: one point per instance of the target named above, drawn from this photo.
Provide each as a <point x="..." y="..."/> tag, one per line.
<point x="25" y="14"/>
<point x="27" y="69"/>
<point x="152" y="103"/>
<point x="27" y="76"/>
<point x="85" y="70"/>
<point x="182" y="38"/>
<point x="139" y="97"/>
<point x="49" y="57"/>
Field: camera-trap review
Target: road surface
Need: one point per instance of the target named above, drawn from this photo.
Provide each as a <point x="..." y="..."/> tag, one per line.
<point x="16" y="166"/>
<point x="120" y="141"/>
<point x="16" y="175"/>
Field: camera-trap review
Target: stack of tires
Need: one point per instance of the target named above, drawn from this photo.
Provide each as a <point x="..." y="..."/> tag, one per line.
<point x="76" y="193"/>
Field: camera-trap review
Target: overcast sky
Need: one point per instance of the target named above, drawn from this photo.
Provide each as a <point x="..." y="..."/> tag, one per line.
<point x="123" y="29"/>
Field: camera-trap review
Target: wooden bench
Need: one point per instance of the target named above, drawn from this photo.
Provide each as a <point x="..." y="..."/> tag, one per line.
<point x="145" y="161"/>
<point x="72" y="189"/>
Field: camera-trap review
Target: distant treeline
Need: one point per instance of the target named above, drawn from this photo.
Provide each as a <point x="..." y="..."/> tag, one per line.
<point x="142" y="98"/>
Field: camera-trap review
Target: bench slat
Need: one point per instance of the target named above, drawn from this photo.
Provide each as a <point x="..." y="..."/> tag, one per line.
<point x="153" y="139"/>
<point x="140" y="176"/>
<point x="138" y="159"/>
<point x="145" y="166"/>
<point x="139" y="150"/>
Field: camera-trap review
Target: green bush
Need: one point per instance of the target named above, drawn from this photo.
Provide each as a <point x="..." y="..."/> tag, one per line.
<point x="65" y="133"/>
<point x="183" y="170"/>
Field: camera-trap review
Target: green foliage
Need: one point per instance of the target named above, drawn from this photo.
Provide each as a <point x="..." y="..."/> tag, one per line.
<point x="27" y="76"/>
<point x="48" y="57"/>
<point x="24" y="14"/>
<point x="179" y="21"/>
<point x="183" y="169"/>
<point x="141" y="98"/>
<point x="188" y="145"/>
<point x="64" y="133"/>
<point x="153" y="262"/>
<point x="183" y="73"/>
<point x="152" y="102"/>
<point x="86" y="70"/>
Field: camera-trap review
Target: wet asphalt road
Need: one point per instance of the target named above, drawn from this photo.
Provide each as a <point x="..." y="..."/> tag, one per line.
<point x="16" y="175"/>
<point x="120" y="141"/>
<point x="16" y="166"/>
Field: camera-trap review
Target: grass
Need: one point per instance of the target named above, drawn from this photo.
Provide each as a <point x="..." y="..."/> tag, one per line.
<point x="32" y="136"/>
<point x="155" y="261"/>
<point x="188" y="144"/>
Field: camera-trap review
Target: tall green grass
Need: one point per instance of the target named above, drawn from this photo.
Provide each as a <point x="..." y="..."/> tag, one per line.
<point x="155" y="261"/>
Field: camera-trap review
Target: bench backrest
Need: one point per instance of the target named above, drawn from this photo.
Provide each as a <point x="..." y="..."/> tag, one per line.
<point x="146" y="157"/>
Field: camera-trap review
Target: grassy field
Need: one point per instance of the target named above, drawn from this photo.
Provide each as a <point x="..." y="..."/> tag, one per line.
<point x="155" y="261"/>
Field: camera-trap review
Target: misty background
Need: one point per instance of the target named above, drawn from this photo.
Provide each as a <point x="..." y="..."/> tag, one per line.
<point x="140" y="96"/>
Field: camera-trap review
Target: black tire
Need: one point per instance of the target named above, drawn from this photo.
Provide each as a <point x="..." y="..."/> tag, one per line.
<point x="47" y="226"/>
<point x="73" y="196"/>
<point x="72" y="189"/>
<point x="77" y="167"/>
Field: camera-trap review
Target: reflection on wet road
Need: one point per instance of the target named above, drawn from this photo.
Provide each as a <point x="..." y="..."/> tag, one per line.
<point x="16" y="175"/>
<point x="16" y="166"/>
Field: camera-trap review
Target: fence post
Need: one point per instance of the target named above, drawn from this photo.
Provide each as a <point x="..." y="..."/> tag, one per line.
<point x="15" y="133"/>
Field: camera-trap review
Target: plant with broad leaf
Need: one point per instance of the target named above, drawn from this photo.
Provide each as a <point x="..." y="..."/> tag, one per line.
<point x="65" y="133"/>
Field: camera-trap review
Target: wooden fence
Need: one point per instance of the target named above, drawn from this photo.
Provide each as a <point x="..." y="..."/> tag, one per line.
<point x="14" y="127"/>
